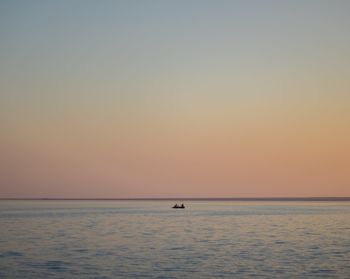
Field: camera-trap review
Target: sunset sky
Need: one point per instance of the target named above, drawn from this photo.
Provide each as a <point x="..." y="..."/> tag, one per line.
<point x="123" y="99"/>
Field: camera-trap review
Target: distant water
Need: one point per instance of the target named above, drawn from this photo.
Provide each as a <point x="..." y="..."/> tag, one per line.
<point x="145" y="239"/>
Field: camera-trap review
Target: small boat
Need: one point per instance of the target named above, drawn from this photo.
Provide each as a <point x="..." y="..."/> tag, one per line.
<point x="182" y="206"/>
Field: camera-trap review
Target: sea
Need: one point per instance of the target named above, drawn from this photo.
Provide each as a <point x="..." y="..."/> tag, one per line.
<point x="149" y="239"/>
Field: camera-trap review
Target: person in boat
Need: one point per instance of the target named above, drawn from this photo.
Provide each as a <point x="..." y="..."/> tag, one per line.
<point x="179" y="206"/>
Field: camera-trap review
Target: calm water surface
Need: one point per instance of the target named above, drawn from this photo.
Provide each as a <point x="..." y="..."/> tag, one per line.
<point x="144" y="239"/>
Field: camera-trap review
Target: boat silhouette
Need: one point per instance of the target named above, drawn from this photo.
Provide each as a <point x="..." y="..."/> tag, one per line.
<point x="182" y="206"/>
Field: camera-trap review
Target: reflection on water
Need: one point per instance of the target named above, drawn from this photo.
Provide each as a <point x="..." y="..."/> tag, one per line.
<point x="100" y="239"/>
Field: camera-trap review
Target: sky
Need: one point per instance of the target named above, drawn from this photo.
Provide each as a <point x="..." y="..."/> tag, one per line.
<point x="141" y="99"/>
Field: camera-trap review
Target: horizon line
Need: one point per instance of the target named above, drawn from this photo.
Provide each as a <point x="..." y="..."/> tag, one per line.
<point x="192" y="199"/>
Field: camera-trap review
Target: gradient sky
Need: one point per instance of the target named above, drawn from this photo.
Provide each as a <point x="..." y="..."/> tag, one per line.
<point x="121" y="99"/>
